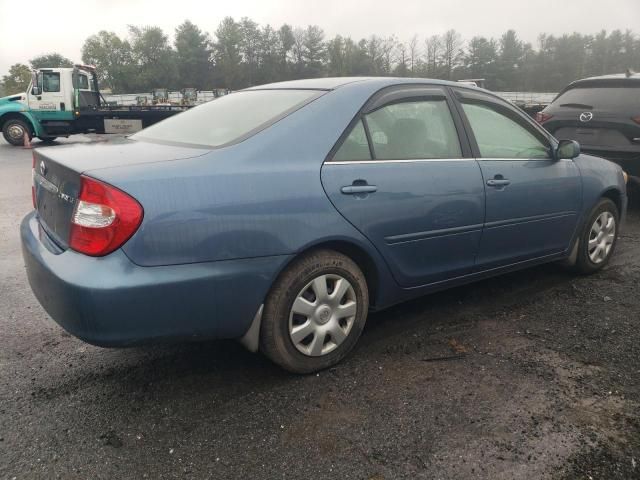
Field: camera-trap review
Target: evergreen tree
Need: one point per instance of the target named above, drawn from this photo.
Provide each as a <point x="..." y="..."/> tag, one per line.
<point x="193" y="52"/>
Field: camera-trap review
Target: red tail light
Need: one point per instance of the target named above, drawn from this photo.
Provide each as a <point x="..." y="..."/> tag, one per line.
<point x="33" y="180"/>
<point x="104" y="218"/>
<point x="636" y="119"/>
<point x="542" y="117"/>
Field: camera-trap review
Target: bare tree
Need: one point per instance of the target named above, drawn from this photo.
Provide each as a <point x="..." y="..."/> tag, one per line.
<point x="451" y="51"/>
<point x="414" y="53"/>
<point x="401" y="69"/>
<point x="298" y="51"/>
<point x="389" y="47"/>
<point x="433" y="49"/>
<point x="374" y="55"/>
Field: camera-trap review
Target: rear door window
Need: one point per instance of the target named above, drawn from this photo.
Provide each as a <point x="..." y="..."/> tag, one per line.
<point x="83" y="82"/>
<point x="413" y="130"/>
<point x="228" y="119"/>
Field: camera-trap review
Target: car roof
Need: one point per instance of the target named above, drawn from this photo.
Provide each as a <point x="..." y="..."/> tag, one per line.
<point x="332" y="83"/>
<point x="615" y="79"/>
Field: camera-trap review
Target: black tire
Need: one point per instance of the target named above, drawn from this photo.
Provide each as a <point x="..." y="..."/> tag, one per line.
<point x="275" y="340"/>
<point x="47" y="139"/>
<point x="9" y="127"/>
<point x="584" y="264"/>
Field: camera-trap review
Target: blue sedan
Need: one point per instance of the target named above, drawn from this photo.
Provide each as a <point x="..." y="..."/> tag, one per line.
<point x="282" y="214"/>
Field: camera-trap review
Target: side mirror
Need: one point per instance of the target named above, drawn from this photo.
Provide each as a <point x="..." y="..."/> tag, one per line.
<point x="35" y="89"/>
<point x="567" y="149"/>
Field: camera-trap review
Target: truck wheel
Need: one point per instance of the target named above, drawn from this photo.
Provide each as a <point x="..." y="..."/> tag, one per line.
<point x="13" y="131"/>
<point x="599" y="237"/>
<point x="315" y="312"/>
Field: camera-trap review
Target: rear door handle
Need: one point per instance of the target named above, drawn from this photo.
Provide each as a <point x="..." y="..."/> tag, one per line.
<point x="354" y="189"/>
<point x="498" y="182"/>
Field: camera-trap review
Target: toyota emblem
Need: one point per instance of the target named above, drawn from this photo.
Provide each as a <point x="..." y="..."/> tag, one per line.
<point x="43" y="169"/>
<point x="586" y="117"/>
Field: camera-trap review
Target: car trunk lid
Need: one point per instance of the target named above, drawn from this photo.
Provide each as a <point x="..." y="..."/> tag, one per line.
<point x="57" y="175"/>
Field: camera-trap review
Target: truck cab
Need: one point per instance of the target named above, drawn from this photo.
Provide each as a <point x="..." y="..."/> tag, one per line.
<point x="63" y="101"/>
<point x="46" y="109"/>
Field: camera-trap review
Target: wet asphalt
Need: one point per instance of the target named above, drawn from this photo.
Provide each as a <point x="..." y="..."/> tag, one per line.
<point x="533" y="375"/>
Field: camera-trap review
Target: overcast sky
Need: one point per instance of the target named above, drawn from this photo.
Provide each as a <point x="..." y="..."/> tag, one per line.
<point x="30" y="28"/>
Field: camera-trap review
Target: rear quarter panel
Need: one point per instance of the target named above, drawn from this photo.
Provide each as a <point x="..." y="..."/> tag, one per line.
<point x="258" y="198"/>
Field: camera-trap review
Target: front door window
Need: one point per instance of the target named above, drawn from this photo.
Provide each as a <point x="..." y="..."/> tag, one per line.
<point x="499" y="136"/>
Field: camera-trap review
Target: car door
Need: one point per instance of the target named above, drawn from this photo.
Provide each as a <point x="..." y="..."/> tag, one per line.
<point x="49" y="104"/>
<point x="401" y="175"/>
<point x="532" y="200"/>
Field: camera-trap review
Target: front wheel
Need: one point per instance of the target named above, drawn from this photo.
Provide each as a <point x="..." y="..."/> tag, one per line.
<point x="599" y="237"/>
<point x="14" y="130"/>
<point x="315" y="312"/>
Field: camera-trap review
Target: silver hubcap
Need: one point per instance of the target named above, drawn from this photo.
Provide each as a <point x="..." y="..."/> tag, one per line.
<point x="15" y="131"/>
<point x="322" y="315"/>
<point x="601" y="237"/>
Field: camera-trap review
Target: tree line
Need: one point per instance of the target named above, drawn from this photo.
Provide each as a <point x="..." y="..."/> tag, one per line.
<point x="243" y="53"/>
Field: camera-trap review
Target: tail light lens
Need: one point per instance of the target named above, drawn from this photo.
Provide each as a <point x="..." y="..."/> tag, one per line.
<point x="636" y="119"/>
<point x="33" y="180"/>
<point x="104" y="218"/>
<point x="542" y="117"/>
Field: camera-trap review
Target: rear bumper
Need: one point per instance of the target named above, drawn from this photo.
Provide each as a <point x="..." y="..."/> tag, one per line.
<point x="110" y="301"/>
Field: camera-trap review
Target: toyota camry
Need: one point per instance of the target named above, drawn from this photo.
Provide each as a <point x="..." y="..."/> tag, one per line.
<point x="282" y="214"/>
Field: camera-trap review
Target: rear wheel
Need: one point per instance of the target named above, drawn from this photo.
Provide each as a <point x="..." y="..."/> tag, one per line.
<point x="315" y="312"/>
<point x="48" y="139"/>
<point x="599" y="238"/>
<point x="13" y="131"/>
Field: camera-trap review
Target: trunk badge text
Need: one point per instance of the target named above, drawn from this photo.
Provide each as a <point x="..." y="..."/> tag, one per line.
<point x="66" y="197"/>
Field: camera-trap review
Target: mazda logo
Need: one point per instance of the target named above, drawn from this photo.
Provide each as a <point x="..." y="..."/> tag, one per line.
<point x="43" y="169"/>
<point x="586" y="117"/>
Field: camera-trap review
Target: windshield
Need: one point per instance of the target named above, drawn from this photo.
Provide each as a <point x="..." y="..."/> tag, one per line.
<point x="600" y="98"/>
<point x="228" y="119"/>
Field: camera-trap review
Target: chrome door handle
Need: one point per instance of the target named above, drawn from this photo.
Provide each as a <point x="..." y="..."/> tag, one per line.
<point x="495" y="182"/>
<point x="353" y="189"/>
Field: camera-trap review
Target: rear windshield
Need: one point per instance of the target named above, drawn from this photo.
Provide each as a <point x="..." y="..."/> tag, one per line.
<point x="600" y="98"/>
<point x="228" y="119"/>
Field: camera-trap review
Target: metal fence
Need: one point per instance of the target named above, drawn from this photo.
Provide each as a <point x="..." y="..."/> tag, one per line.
<point x="174" y="97"/>
<point x="206" y="95"/>
<point x="528" y="97"/>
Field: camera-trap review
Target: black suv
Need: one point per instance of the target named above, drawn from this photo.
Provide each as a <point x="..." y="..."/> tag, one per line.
<point x="603" y="115"/>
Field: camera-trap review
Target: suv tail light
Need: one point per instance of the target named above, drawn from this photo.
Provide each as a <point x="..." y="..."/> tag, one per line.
<point x="636" y="119"/>
<point x="104" y="218"/>
<point x="542" y="117"/>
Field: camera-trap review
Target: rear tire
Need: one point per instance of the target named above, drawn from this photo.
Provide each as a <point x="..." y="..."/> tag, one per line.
<point x="315" y="312"/>
<point x="48" y="139"/>
<point x="13" y="131"/>
<point x="598" y="238"/>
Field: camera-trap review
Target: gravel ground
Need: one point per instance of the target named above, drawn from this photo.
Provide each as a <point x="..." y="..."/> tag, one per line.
<point x="531" y="375"/>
